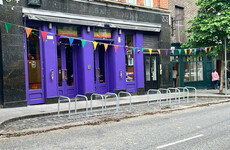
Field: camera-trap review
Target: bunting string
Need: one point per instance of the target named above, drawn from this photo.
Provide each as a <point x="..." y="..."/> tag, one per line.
<point x="83" y="42"/>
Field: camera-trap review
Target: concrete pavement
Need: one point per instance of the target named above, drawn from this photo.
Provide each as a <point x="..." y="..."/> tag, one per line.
<point x="9" y="114"/>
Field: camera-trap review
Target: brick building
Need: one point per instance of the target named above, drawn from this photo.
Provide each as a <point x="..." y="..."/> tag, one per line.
<point x="37" y="69"/>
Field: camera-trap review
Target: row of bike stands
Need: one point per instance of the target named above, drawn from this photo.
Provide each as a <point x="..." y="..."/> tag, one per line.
<point x="161" y="96"/>
<point x="94" y="96"/>
<point x="171" y="96"/>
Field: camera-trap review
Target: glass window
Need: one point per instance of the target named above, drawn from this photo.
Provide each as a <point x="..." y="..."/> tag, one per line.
<point x="131" y="1"/>
<point x="102" y="33"/>
<point x="154" y="68"/>
<point x="193" y="71"/>
<point x="179" y="24"/>
<point x="186" y="72"/>
<point x="59" y="65"/>
<point x="73" y="31"/>
<point x="69" y="65"/>
<point x="33" y="60"/>
<point x="148" y="3"/>
<point x="129" y="58"/>
<point x="200" y="70"/>
<point x="147" y="68"/>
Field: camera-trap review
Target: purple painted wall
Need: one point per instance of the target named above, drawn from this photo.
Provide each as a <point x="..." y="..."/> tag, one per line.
<point x="139" y="62"/>
<point x="50" y="61"/>
<point x="87" y="56"/>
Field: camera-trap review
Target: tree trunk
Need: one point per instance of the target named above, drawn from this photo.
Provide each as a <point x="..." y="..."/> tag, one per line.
<point x="222" y="74"/>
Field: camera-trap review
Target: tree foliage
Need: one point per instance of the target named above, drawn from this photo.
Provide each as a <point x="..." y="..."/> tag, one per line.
<point x="210" y="26"/>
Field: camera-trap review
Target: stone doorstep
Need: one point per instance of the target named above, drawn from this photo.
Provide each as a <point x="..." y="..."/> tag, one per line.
<point x="93" y="122"/>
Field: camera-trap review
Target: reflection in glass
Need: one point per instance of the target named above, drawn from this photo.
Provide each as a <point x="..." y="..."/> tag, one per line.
<point x="153" y="68"/>
<point x="33" y="60"/>
<point x="129" y="58"/>
<point x="186" y="72"/>
<point x="101" y="70"/>
<point x="200" y="70"/>
<point x="193" y="71"/>
<point x="69" y="65"/>
<point x="147" y="68"/>
<point x="59" y="65"/>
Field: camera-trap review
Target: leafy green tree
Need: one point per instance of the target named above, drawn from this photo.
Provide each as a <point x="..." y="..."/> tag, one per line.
<point x="210" y="28"/>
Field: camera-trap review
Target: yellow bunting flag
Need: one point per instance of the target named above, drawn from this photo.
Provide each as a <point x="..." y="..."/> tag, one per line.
<point x="159" y="51"/>
<point x="95" y="45"/>
<point x="215" y="46"/>
<point x="185" y="51"/>
<point x="106" y="46"/>
<point x="205" y="49"/>
<point x="190" y="51"/>
<point x="150" y="51"/>
<point x="210" y="48"/>
<point x="28" y="31"/>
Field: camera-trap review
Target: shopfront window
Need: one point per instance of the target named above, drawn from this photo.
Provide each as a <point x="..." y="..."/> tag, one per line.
<point x="129" y="58"/>
<point x="33" y="60"/>
<point x="193" y="69"/>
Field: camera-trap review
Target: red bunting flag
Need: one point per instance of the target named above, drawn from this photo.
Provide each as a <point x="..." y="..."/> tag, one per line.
<point x="115" y="46"/>
<point x="44" y="34"/>
<point x="28" y="31"/>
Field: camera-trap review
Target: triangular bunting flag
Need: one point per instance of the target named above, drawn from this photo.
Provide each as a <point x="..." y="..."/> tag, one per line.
<point x="159" y="51"/>
<point x="95" y="45"/>
<point x="106" y="47"/>
<point x="179" y="50"/>
<point x="8" y="26"/>
<point x="200" y="50"/>
<point x="28" y="31"/>
<point x="210" y="48"/>
<point x="44" y="34"/>
<point x="134" y="49"/>
<point x="215" y="46"/>
<point x="195" y="51"/>
<point x="83" y="43"/>
<point x="172" y="51"/>
<point x="150" y="51"/>
<point x="142" y="49"/>
<point x="205" y="49"/>
<point x="115" y="47"/>
<point x="125" y="48"/>
<point x="219" y="47"/>
<point x="185" y="51"/>
<point x="166" y="52"/>
<point x="71" y="41"/>
<point x="190" y="51"/>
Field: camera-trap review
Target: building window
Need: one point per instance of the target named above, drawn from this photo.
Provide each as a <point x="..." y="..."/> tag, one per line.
<point x="179" y="24"/>
<point x="129" y="58"/>
<point x="193" y="69"/>
<point x="131" y="1"/>
<point x="33" y="60"/>
<point x="148" y="3"/>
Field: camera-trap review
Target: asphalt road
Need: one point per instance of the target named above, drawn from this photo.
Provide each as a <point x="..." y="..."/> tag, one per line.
<point x="206" y="128"/>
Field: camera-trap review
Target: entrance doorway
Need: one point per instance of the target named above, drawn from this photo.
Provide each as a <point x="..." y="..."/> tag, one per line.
<point x="101" y="69"/>
<point x="151" y="71"/>
<point x="175" y="74"/>
<point x="66" y="70"/>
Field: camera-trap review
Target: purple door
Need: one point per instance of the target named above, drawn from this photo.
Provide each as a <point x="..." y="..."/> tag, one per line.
<point x="66" y="70"/>
<point x="34" y="69"/>
<point x="101" y="70"/>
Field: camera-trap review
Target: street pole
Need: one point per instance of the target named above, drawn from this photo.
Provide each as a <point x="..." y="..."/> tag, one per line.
<point x="225" y="60"/>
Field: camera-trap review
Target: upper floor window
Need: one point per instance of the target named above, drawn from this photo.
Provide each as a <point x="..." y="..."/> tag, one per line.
<point x="148" y="3"/>
<point x="179" y="24"/>
<point x="131" y="1"/>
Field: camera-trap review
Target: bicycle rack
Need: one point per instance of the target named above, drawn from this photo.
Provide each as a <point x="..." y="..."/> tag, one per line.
<point x="188" y="87"/>
<point x="187" y="93"/>
<point x="130" y="98"/>
<point x="158" y="95"/>
<point x="86" y="100"/>
<point x="111" y="94"/>
<point x="63" y="99"/>
<point x="102" y="100"/>
<point x="168" y="95"/>
<point x="177" y="94"/>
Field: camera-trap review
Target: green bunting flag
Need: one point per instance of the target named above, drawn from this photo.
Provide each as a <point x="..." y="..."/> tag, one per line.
<point x="83" y="43"/>
<point x="8" y="26"/>
<point x="142" y="49"/>
<point x="179" y="50"/>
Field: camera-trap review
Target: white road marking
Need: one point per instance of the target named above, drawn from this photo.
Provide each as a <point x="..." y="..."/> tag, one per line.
<point x="184" y="140"/>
